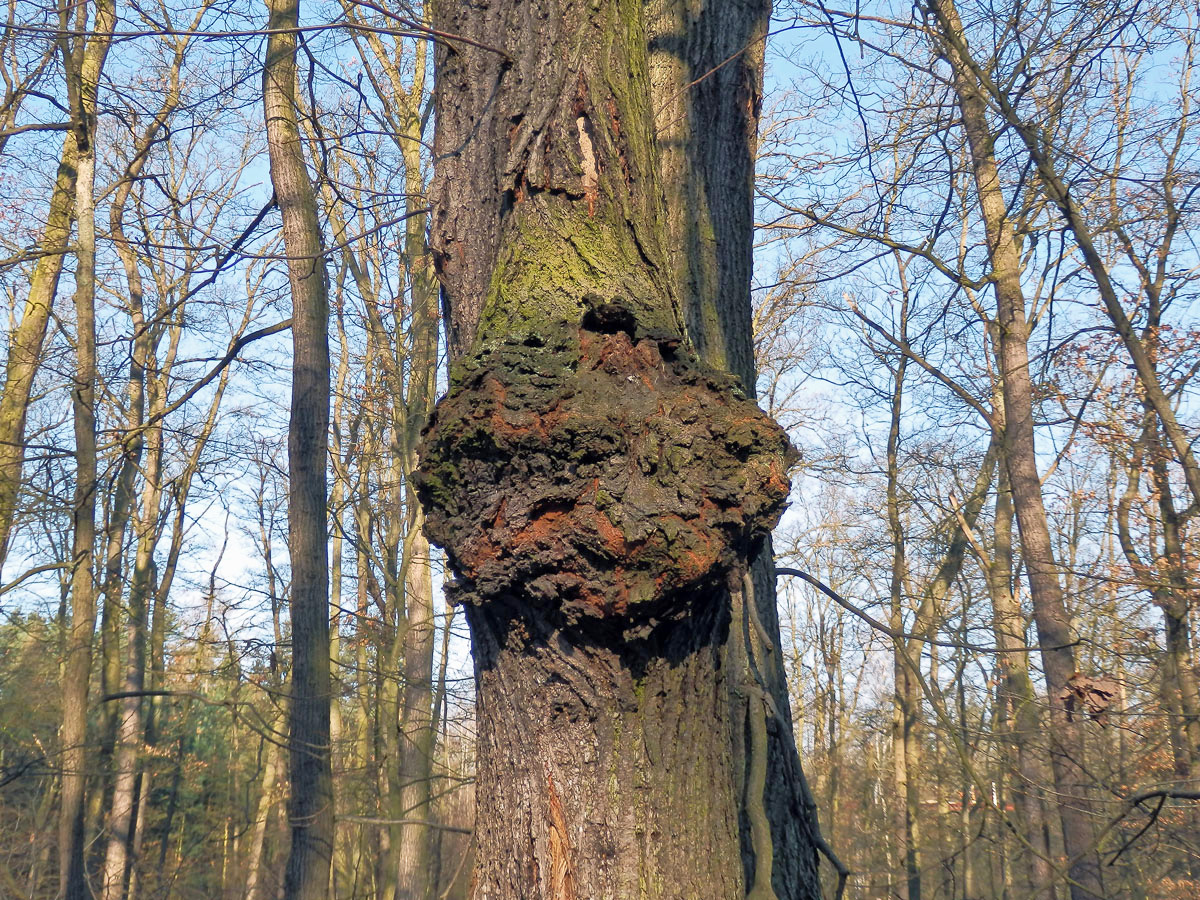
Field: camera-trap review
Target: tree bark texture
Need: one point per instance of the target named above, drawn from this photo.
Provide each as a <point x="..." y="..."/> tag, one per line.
<point x="597" y="488"/>
<point x="706" y="68"/>
<point x="706" y="62"/>
<point x="310" y="807"/>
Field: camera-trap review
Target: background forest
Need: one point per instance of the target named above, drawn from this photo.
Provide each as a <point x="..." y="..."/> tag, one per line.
<point x="941" y="188"/>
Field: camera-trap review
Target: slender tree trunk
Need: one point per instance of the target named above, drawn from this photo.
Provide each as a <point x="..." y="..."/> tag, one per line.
<point x="124" y="719"/>
<point x="1055" y="634"/>
<point x="414" y="880"/>
<point x="363" y="756"/>
<point x="417" y="738"/>
<point x="122" y="814"/>
<point x="339" y="867"/>
<point x="83" y="586"/>
<point x="262" y="814"/>
<point x="1173" y="598"/>
<point x="1017" y="697"/>
<point x="83" y="62"/>
<point x="25" y="344"/>
<point x="1058" y="192"/>
<point x="133" y="442"/>
<point x="966" y="792"/>
<point x="310" y="808"/>
<point x="390" y="660"/>
<point x="906" y="661"/>
<point x="122" y="821"/>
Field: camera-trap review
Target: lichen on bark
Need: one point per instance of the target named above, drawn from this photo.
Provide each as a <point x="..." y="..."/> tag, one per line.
<point x="598" y="469"/>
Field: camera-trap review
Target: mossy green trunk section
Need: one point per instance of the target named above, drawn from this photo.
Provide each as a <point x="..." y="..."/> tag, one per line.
<point x="597" y="488"/>
<point x="546" y="187"/>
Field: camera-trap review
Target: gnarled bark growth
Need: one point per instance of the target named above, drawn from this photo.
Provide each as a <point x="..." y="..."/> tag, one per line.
<point x="595" y="487"/>
<point x="606" y="474"/>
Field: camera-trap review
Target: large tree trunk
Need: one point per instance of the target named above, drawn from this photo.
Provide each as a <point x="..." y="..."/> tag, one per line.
<point x="310" y="807"/>
<point x="581" y="474"/>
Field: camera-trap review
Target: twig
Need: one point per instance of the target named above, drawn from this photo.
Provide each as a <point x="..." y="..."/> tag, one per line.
<point x="891" y="632"/>
<point x="371" y="820"/>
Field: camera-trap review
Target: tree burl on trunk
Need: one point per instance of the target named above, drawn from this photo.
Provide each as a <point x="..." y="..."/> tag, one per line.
<point x="599" y="471"/>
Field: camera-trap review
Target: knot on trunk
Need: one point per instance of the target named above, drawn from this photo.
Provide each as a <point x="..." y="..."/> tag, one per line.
<point x="598" y="473"/>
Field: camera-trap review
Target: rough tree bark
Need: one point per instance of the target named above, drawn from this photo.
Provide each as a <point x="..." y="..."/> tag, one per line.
<point x="598" y="489"/>
<point x="310" y="807"/>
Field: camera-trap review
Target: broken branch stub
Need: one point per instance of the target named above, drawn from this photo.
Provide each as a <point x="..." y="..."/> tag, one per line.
<point x="599" y="472"/>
